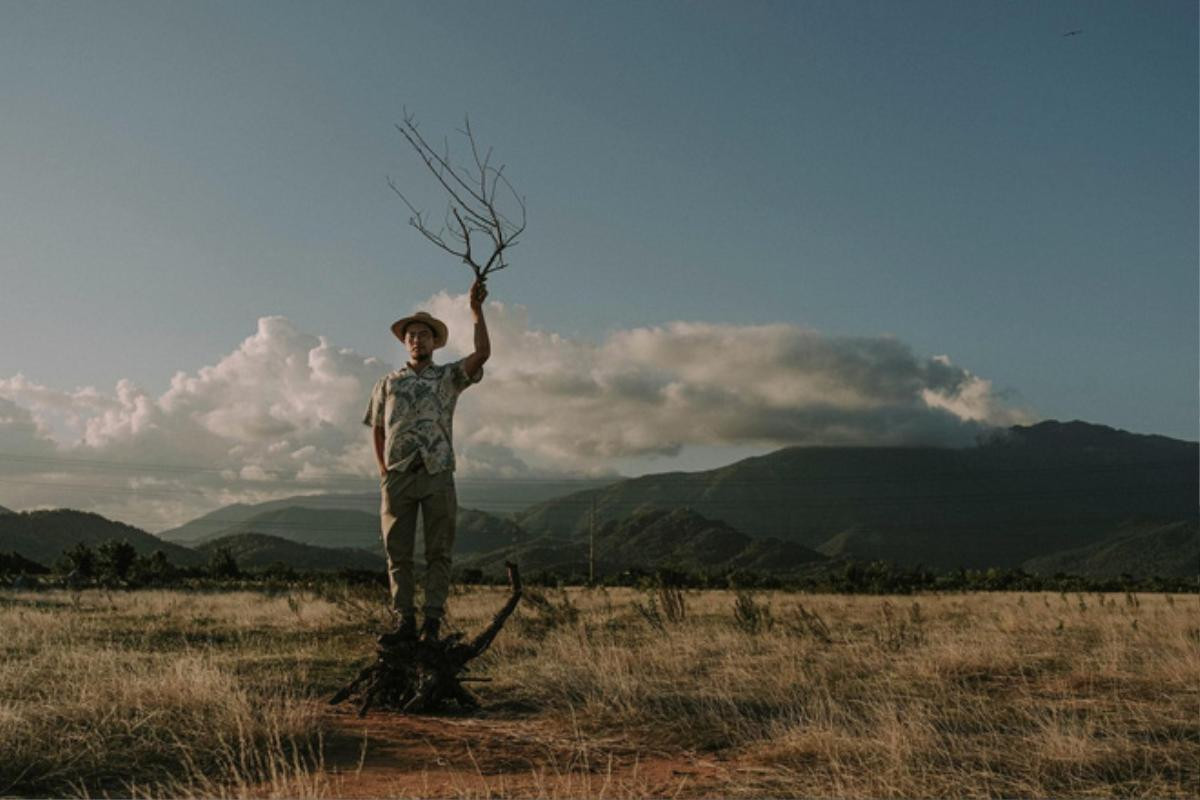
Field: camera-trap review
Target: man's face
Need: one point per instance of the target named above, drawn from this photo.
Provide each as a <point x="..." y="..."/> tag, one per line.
<point x="418" y="338"/>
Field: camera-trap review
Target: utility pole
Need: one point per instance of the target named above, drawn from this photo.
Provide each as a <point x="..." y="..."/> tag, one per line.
<point x="592" y="544"/>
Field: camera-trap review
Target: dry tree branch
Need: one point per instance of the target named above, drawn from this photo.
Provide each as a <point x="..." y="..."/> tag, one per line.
<point x="472" y="201"/>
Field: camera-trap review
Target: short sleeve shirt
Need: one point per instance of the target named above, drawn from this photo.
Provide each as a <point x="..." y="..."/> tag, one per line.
<point x="416" y="411"/>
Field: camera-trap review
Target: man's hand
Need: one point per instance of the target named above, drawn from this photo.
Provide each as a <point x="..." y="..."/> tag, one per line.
<point x="478" y="295"/>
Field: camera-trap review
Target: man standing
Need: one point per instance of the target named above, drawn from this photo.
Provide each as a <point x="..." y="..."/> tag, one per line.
<point x="411" y="415"/>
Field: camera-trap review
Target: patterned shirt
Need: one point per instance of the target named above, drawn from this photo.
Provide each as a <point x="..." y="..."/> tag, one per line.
<point x="417" y="412"/>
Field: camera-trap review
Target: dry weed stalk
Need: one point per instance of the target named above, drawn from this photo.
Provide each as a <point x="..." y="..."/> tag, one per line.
<point x="665" y="605"/>
<point x="750" y="615"/>
<point x="547" y="614"/>
<point x="808" y="623"/>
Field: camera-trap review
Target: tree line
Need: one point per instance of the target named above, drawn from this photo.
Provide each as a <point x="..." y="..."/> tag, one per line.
<point x="115" y="563"/>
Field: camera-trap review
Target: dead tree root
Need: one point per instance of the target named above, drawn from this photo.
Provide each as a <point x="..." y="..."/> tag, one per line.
<point x="419" y="676"/>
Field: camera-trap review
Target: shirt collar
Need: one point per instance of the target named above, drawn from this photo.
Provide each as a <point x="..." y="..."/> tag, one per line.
<point x="429" y="370"/>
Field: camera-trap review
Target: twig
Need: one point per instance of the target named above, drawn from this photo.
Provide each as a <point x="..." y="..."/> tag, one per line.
<point x="472" y="201"/>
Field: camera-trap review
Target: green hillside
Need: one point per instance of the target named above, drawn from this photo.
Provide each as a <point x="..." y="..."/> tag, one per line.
<point x="489" y="496"/>
<point x="313" y="526"/>
<point x="210" y="525"/>
<point x="678" y="539"/>
<point x="477" y="531"/>
<point x="1145" y="549"/>
<point x="1025" y="492"/>
<point x="43" y="535"/>
<point x="257" y="551"/>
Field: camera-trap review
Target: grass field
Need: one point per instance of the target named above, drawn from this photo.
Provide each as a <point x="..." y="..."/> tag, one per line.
<point x="163" y="693"/>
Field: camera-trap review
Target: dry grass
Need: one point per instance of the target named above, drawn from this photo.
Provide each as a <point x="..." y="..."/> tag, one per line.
<point x="157" y="693"/>
<point x="977" y="695"/>
<point x="160" y="693"/>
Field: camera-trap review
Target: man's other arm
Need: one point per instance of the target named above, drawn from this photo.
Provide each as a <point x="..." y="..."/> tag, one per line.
<point x="378" y="435"/>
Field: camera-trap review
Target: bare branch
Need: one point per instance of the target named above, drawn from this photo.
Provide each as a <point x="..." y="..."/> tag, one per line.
<point x="440" y="168"/>
<point x="466" y="237"/>
<point x="418" y="222"/>
<point x="473" y="200"/>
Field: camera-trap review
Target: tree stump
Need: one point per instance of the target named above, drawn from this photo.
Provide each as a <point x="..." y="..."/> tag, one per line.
<point x="420" y="675"/>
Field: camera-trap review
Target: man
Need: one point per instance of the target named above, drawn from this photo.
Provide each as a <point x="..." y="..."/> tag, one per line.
<point x="410" y="415"/>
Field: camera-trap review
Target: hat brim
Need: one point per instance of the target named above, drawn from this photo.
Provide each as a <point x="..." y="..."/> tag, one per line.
<point x="440" y="332"/>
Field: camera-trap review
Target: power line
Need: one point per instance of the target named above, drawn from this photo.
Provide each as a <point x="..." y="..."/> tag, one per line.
<point x="581" y="505"/>
<point x="677" y="483"/>
<point x="966" y="472"/>
<point x="87" y="463"/>
<point x="105" y="489"/>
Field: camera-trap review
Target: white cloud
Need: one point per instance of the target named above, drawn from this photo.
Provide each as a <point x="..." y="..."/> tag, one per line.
<point x="280" y="410"/>
<point x="651" y="391"/>
<point x="281" y="414"/>
<point x="22" y="437"/>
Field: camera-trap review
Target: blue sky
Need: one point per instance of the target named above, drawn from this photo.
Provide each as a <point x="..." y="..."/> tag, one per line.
<point x="958" y="176"/>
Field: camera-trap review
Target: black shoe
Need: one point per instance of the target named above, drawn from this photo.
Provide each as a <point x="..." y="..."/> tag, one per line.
<point x="429" y="631"/>
<point x="406" y="631"/>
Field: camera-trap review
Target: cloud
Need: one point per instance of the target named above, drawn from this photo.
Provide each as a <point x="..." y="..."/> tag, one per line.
<point x="654" y="390"/>
<point x="22" y="438"/>
<point x="281" y="414"/>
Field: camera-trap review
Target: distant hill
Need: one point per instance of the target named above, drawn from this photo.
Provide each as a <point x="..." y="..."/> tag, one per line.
<point x="480" y="532"/>
<point x="678" y="539"/>
<point x="477" y="531"/>
<point x="17" y="564"/>
<point x="496" y="497"/>
<point x="43" y="535"/>
<point x="314" y="526"/>
<point x="4" y="510"/>
<point x="1147" y="549"/>
<point x="1025" y="492"/>
<point x="255" y="551"/>
<point x="1070" y="497"/>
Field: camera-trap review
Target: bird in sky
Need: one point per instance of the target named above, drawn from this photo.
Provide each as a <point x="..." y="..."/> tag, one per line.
<point x="1073" y="33"/>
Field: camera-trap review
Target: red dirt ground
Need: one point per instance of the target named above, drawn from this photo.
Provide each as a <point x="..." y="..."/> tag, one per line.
<point x="394" y="755"/>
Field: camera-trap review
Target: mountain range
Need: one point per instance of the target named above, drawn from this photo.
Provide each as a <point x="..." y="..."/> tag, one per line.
<point x="43" y="536"/>
<point x="490" y="496"/>
<point x="1023" y="493"/>
<point x="254" y="551"/>
<point x="677" y="539"/>
<point x="1052" y="497"/>
<point x="302" y="538"/>
<point x="335" y="527"/>
<point x="1168" y="550"/>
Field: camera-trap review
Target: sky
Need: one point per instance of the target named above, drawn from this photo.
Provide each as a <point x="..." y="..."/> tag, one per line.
<point x="750" y="225"/>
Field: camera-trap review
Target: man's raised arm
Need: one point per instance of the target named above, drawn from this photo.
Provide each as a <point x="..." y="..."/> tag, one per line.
<point x="483" y="344"/>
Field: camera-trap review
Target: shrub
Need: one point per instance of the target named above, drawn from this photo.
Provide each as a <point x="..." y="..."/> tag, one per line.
<point x="750" y="615"/>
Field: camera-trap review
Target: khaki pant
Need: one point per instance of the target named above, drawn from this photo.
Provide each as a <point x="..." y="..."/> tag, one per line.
<point x="404" y="494"/>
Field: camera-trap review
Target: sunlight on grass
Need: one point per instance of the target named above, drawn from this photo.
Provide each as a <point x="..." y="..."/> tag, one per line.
<point x="171" y="693"/>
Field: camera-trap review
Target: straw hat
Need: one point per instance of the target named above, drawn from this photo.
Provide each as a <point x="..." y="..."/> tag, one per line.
<point x="440" y="334"/>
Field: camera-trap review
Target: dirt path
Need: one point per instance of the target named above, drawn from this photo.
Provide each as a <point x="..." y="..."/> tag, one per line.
<point x="484" y="755"/>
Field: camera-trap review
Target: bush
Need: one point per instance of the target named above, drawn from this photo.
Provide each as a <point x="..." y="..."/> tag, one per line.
<point x="115" y="558"/>
<point x="79" y="561"/>
<point x="222" y="564"/>
<point x="153" y="570"/>
<point x="750" y="615"/>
